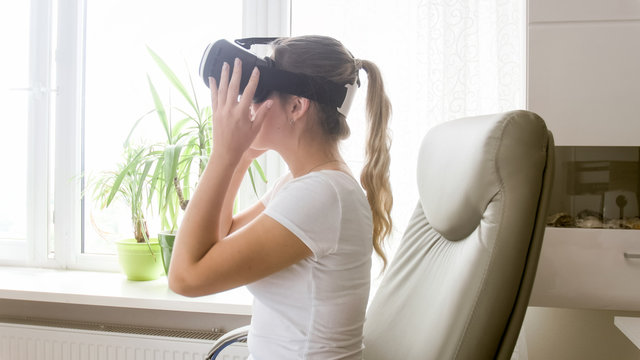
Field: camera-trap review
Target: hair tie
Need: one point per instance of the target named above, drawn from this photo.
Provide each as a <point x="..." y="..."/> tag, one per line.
<point x="357" y="63"/>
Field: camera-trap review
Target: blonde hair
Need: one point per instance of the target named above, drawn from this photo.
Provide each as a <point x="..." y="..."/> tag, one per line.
<point x="327" y="57"/>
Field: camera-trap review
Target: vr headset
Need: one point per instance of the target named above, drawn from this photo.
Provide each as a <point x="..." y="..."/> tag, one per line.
<point x="314" y="88"/>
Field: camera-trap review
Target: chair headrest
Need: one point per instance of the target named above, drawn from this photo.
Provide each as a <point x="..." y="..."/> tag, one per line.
<point x="464" y="163"/>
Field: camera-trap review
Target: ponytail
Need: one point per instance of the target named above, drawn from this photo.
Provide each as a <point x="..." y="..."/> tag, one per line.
<point x="328" y="58"/>
<point x="375" y="174"/>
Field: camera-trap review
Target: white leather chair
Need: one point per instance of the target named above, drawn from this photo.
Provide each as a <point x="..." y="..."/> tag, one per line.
<point x="459" y="284"/>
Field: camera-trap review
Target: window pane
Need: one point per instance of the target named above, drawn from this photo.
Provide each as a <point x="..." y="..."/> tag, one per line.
<point x="14" y="72"/>
<point x="117" y="92"/>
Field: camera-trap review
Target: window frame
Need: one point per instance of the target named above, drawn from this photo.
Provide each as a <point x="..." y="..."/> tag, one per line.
<point x="29" y="251"/>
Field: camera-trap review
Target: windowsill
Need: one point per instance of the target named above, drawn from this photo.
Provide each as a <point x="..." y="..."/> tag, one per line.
<point x="114" y="290"/>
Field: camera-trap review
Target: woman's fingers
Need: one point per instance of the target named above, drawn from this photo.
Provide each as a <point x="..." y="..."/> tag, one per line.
<point x="258" y="118"/>
<point x="235" y="126"/>
<point x="213" y="86"/>
<point x="234" y="85"/>
<point x="230" y="89"/>
<point x="224" y="84"/>
<point x="250" y="89"/>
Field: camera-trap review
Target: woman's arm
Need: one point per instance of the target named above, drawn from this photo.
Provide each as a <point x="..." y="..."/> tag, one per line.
<point x="246" y="216"/>
<point x="255" y="251"/>
<point x="228" y="222"/>
<point x="203" y="264"/>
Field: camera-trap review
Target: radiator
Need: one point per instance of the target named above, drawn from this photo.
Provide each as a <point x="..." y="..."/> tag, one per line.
<point x="72" y="341"/>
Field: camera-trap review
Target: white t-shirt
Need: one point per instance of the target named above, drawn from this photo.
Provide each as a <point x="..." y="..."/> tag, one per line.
<point x="315" y="309"/>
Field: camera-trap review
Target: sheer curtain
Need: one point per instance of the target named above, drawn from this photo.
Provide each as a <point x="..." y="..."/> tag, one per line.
<point x="440" y="59"/>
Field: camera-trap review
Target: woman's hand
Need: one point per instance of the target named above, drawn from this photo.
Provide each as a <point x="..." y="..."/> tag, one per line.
<point x="234" y="127"/>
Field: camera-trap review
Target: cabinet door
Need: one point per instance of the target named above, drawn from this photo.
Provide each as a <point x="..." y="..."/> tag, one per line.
<point x="584" y="80"/>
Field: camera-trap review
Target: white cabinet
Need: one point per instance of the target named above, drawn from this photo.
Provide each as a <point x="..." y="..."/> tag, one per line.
<point x="583" y="78"/>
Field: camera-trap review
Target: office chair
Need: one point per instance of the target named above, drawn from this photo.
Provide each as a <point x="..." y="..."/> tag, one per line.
<point x="459" y="283"/>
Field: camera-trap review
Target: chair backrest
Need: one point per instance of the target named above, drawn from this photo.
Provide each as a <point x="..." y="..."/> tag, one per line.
<point x="459" y="283"/>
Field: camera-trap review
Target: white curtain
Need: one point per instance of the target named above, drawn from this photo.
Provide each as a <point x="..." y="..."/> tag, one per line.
<point x="440" y="59"/>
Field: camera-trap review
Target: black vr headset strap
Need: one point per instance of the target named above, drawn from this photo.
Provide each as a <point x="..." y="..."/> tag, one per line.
<point x="311" y="87"/>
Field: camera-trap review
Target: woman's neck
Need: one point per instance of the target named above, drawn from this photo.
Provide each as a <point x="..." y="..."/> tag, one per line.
<point x="313" y="157"/>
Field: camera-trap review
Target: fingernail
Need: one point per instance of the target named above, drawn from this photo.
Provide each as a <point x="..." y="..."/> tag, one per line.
<point x="255" y="71"/>
<point x="225" y="66"/>
<point x="236" y="62"/>
<point x="268" y="104"/>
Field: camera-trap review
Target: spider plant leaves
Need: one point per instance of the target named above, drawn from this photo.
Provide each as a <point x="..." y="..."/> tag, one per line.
<point x="256" y="165"/>
<point x="162" y="113"/>
<point x="195" y="98"/>
<point x="253" y="182"/>
<point x="170" y="166"/>
<point x="176" y="130"/>
<point x="143" y="178"/>
<point x="186" y="192"/>
<point x="171" y="76"/>
<point x="129" y="167"/>
<point x="155" y="177"/>
<point x="135" y="125"/>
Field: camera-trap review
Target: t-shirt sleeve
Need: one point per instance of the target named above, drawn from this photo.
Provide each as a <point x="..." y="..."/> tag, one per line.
<point x="310" y="208"/>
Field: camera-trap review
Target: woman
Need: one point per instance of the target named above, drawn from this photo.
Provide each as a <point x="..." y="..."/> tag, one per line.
<point x="304" y="250"/>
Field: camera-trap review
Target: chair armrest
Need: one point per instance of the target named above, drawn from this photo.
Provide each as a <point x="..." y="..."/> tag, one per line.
<point x="236" y="335"/>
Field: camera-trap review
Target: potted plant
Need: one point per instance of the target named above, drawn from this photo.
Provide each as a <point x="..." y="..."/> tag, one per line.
<point x="168" y="170"/>
<point x="139" y="256"/>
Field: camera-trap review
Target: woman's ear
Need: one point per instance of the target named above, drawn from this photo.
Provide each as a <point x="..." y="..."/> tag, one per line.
<point x="299" y="107"/>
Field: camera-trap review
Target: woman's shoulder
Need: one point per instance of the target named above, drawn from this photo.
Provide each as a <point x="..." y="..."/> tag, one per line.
<point x="324" y="186"/>
<point x="329" y="186"/>
<point x="317" y="182"/>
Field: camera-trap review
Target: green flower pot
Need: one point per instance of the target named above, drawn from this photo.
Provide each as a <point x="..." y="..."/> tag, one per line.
<point x="140" y="261"/>
<point x="166" y="240"/>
